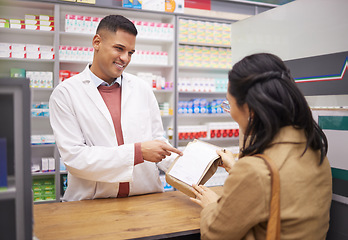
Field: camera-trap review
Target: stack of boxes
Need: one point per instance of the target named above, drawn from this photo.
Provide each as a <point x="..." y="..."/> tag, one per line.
<point x="30" y="22"/>
<point x="202" y="56"/>
<point x="42" y="139"/>
<point x="26" y="51"/>
<point x="202" y="84"/>
<point x="40" y="109"/>
<point x="81" y="24"/>
<point x="211" y="130"/>
<point x="40" y="79"/>
<point x="43" y="189"/>
<point x="76" y="53"/>
<point x="204" y="32"/>
<point x="200" y="106"/>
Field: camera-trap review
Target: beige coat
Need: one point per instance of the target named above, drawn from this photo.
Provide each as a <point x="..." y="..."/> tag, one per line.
<point x="305" y="187"/>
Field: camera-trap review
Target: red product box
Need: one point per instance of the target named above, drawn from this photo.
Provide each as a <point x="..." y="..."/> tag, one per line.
<point x="63" y="74"/>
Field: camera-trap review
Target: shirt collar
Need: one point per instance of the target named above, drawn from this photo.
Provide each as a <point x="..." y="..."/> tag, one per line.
<point x="98" y="81"/>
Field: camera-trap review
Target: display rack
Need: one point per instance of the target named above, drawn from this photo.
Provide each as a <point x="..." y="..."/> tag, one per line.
<point x="16" y="197"/>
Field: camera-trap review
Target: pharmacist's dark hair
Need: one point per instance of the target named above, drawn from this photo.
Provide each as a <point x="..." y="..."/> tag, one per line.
<point x="112" y="23"/>
<point x="264" y="82"/>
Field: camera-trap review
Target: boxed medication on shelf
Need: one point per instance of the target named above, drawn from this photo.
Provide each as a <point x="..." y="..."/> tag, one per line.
<point x="44" y="164"/>
<point x="17" y="72"/>
<point x="190" y="132"/>
<point x="222" y="129"/>
<point x="42" y="139"/>
<point x="4" y="23"/>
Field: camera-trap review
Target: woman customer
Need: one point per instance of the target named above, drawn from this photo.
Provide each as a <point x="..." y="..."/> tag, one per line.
<point x="276" y="121"/>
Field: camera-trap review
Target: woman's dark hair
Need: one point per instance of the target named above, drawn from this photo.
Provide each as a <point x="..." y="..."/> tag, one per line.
<point x="264" y="82"/>
<point x="112" y="23"/>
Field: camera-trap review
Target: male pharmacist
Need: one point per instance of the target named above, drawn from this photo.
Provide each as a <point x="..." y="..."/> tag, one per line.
<point x="107" y="123"/>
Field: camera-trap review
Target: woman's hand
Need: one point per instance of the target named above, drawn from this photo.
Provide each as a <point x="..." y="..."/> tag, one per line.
<point x="228" y="159"/>
<point x="204" y="196"/>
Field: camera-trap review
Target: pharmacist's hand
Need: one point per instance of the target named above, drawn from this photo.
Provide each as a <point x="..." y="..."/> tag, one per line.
<point x="204" y="196"/>
<point x="228" y="159"/>
<point x="156" y="150"/>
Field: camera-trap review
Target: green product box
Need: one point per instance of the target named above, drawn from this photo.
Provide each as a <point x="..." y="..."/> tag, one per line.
<point x="48" y="187"/>
<point x="38" y="198"/>
<point x="17" y="72"/>
<point x="50" y="197"/>
<point x="48" y="192"/>
<point x="37" y="182"/>
<point x="48" y="181"/>
<point x="38" y="193"/>
<point x="4" y="23"/>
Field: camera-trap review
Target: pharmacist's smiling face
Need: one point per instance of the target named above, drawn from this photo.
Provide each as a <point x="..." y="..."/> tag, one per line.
<point x="113" y="52"/>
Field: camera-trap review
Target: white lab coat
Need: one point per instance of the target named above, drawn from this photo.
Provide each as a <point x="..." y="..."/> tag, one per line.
<point x="86" y="138"/>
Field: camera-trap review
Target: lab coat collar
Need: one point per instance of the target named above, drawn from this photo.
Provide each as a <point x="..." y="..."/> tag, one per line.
<point x="98" y="81"/>
<point x="94" y="94"/>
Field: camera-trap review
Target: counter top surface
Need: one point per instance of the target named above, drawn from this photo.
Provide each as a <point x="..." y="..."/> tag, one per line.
<point x="118" y="218"/>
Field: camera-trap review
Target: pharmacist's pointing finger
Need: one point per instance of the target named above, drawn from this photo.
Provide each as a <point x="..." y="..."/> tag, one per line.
<point x="172" y="149"/>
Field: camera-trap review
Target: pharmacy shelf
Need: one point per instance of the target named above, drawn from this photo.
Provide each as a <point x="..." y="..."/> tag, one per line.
<point x="202" y="93"/>
<point x="26" y="32"/>
<point x="205" y="44"/>
<point x="131" y="65"/>
<point x="206" y="116"/>
<point x="89" y="36"/>
<point x="188" y="70"/>
<point x="233" y="141"/>
<point x="43" y="145"/>
<point x="163" y="91"/>
<point x="41" y="89"/>
<point x="27" y="59"/>
<point x="204" y="69"/>
<point x="43" y="173"/>
<point x="10" y="192"/>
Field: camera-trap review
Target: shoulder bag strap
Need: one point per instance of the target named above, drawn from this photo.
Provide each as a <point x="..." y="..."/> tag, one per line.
<point x="273" y="226"/>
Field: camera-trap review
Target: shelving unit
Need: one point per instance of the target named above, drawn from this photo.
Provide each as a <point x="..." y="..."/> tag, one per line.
<point x="16" y="198"/>
<point x="200" y="45"/>
<point x="172" y="71"/>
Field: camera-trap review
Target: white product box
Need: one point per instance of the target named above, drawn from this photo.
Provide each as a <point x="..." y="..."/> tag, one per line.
<point x="32" y="47"/>
<point x="32" y="27"/>
<point x="31" y="21"/>
<point x="5" y="46"/>
<point x="47" y="55"/>
<point x="17" y="54"/>
<point x="94" y="24"/>
<point x="31" y="16"/>
<point x="87" y="24"/>
<point x="70" y="23"/>
<point x="5" y="53"/>
<point x="46" y="23"/>
<point x="32" y="55"/>
<point x="35" y="139"/>
<point x="46" y="28"/>
<point x="44" y="164"/>
<point x="80" y="25"/>
<point x="154" y="5"/>
<point x="46" y="17"/>
<point x="18" y="47"/>
<point x="17" y="25"/>
<point x="16" y="21"/>
<point x="51" y="164"/>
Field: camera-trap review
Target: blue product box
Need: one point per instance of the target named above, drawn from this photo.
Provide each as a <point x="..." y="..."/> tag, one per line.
<point x="127" y="4"/>
<point x="3" y="163"/>
<point x="137" y="4"/>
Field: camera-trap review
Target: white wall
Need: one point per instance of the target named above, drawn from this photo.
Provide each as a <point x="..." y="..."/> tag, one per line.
<point x="302" y="28"/>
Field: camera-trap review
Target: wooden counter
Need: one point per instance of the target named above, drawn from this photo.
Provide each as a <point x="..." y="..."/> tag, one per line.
<point x="160" y="215"/>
